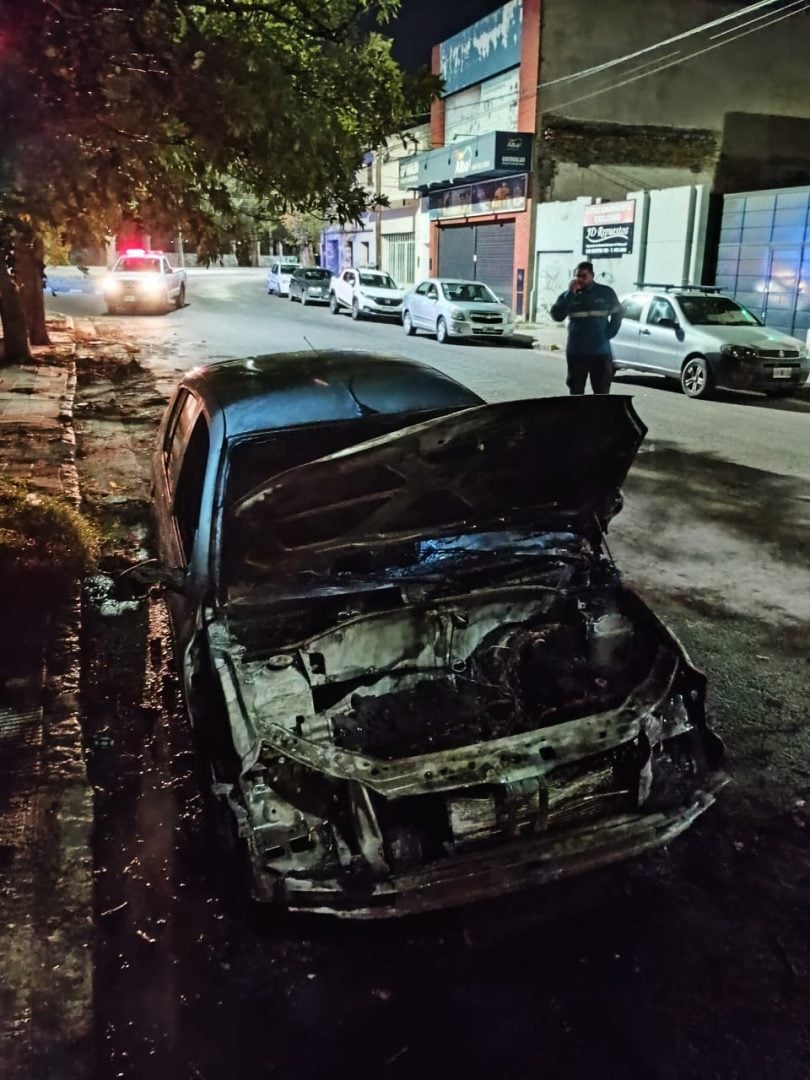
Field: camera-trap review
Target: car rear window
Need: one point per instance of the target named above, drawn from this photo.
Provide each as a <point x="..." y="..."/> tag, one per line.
<point x="288" y="268"/>
<point x="316" y="274"/>
<point x="136" y="265"/>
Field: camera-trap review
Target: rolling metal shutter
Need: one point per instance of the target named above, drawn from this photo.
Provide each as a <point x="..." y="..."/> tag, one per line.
<point x="457" y="251"/>
<point x="495" y="248"/>
<point x="481" y="252"/>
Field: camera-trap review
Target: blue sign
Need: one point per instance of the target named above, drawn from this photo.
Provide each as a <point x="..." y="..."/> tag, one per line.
<point x="482" y="50"/>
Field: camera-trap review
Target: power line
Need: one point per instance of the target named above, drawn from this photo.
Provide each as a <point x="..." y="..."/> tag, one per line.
<point x="652" y="67"/>
<point x="798" y="6"/>
<point x="661" y="44"/>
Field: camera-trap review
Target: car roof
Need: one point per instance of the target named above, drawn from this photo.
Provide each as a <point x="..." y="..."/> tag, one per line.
<point x="265" y="393"/>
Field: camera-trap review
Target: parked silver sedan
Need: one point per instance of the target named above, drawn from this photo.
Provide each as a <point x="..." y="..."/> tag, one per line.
<point x="703" y="340"/>
<point x="453" y="308"/>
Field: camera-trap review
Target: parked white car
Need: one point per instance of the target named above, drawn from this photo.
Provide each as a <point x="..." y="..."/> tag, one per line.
<point x="703" y="339"/>
<point x="279" y="274"/>
<point x="451" y="308"/>
<point x="365" y="292"/>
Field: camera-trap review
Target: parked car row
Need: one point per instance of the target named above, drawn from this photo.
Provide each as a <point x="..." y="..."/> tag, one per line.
<point x="690" y="333"/>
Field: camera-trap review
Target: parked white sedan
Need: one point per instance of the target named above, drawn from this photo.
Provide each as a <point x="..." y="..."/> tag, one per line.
<point x="451" y="308"/>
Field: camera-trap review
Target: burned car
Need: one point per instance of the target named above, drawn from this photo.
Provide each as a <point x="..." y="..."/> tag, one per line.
<point x="417" y="673"/>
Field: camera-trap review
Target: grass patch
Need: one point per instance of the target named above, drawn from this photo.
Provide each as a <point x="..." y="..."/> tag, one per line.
<point x="42" y="536"/>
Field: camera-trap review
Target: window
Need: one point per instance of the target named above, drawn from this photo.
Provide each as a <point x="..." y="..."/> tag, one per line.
<point x="423" y="288"/>
<point x="348" y="276"/>
<point x="185" y="409"/>
<point x="661" y="309"/>
<point x="632" y="308"/>
<point x="188" y="493"/>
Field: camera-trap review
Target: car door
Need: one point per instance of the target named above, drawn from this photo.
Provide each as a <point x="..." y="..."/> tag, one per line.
<point x="624" y="345"/>
<point x="417" y="303"/>
<point x="660" y="338"/>
<point x="347" y="283"/>
<point x="178" y="496"/>
<point x="428" y="305"/>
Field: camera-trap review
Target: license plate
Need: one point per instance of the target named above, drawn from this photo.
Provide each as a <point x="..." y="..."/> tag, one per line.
<point x="782" y="372"/>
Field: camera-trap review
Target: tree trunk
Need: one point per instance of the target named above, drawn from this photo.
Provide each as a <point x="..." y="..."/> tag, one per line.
<point x="29" y="268"/>
<point x="15" y="333"/>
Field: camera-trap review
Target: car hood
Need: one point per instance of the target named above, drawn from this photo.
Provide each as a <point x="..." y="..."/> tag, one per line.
<point x="540" y="463"/>
<point x="380" y="290"/>
<point x="478" y="305"/>
<point x="755" y="337"/>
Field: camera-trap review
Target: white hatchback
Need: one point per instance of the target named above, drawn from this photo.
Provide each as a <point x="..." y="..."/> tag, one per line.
<point x="452" y="308"/>
<point x="279" y="274"/>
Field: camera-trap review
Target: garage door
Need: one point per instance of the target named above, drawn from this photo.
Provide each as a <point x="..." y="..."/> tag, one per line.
<point x="481" y="252"/>
<point x="457" y="252"/>
<point x="495" y="248"/>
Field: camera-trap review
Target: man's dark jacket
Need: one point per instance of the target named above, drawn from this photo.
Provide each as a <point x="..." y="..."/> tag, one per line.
<point x="594" y="317"/>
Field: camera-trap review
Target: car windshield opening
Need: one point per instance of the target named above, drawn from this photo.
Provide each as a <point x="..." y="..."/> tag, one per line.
<point x="461" y="291"/>
<point x="716" y="311"/>
<point x="379" y="281"/>
<point x="138" y="266"/>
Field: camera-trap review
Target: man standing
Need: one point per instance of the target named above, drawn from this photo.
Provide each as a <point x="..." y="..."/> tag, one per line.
<point x="594" y="317"/>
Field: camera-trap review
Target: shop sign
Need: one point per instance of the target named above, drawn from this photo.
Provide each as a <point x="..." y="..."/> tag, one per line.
<point x="608" y="229"/>
<point x="470" y="200"/>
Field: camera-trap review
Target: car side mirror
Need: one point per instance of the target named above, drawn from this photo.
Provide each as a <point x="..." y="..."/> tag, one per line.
<point x="151" y="572"/>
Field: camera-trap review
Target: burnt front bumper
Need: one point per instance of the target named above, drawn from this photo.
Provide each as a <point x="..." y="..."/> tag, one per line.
<point x="485" y="874"/>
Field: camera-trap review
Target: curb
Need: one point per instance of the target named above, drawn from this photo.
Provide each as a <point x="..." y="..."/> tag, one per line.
<point x="48" y="882"/>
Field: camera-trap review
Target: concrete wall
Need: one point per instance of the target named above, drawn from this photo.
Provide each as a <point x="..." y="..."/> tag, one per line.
<point x="668" y="245"/>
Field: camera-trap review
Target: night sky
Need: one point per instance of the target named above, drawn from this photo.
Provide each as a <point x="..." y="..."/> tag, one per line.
<point x="421" y="24"/>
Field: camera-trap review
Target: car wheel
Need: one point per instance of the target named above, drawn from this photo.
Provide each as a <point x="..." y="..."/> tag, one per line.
<point x="180" y="302"/>
<point x="334" y="307"/>
<point x="696" y="378"/>
<point x="410" y="329"/>
<point x="441" y="332"/>
<point x="356" y="312"/>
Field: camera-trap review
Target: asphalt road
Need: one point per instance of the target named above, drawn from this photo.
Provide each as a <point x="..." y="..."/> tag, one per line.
<point x="229" y="314"/>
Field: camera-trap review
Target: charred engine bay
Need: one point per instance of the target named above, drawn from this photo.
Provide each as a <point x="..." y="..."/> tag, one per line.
<point x="576" y="660"/>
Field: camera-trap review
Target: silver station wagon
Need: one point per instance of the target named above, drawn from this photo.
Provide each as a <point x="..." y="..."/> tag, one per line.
<point x="704" y="340"/>
<point x="407" y="656"/>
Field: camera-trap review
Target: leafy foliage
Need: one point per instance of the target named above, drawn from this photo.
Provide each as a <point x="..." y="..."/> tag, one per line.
<point x="160" y="110"/>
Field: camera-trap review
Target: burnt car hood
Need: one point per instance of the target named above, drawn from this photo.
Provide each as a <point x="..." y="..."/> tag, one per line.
<point x="546" y="462"/>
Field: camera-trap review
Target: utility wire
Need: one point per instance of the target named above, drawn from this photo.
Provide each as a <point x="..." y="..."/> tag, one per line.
<point x="661" y="44"/>
<point x="651" y="67"/>
<point x="689" y="56"/>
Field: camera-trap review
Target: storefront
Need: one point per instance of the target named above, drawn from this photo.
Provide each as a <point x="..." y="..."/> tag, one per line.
<point x="476" y="195"/>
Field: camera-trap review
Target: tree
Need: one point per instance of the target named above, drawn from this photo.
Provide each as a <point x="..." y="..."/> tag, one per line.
<point x="159" y="111"/>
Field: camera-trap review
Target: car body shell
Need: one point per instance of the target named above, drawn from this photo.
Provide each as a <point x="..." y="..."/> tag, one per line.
<point x="456" y="308"/>
<point x="310" y="285"/>
<point x="657" y="336"/>
<point x="279" y="273"/>
<point x="365" y="293"/>
<point x="357" y="545"/>
<point x="144" y="281"/>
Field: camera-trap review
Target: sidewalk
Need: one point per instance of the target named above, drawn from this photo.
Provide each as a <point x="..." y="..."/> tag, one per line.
<point x="45" y="799"/>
